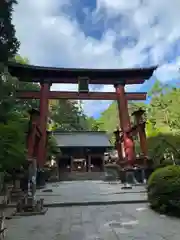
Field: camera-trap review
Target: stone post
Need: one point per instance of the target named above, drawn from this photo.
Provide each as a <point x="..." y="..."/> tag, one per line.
<point x="71" y="164"/>
<point x="32" y="170"/>
<point x="141" y="130"/>
<point x="140" y="122"/>
<point x="31" y="137"/>
<point x="118" y="145"/>
<point x="89" y="162"/>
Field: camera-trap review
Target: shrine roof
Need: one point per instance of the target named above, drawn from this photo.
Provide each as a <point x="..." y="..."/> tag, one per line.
<point x="28" y="73"/>
<point x="82" y="139"/>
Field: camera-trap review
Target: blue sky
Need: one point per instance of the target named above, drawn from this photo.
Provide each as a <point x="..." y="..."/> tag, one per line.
<point x="101" y="34"/>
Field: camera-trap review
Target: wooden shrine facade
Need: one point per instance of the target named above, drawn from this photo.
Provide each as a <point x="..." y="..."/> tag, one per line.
<point x="83" y="77"/>
<point x="82" y="151"/>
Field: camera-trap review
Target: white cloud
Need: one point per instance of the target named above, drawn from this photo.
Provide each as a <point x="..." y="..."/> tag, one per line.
<point x="115" y="6"/>
<point x="46" y="38"/>
<point x="93" y="108"/>
<point x="166" y="70"/>
<point x="156" y="22"/>
<point x="50" y="37"/>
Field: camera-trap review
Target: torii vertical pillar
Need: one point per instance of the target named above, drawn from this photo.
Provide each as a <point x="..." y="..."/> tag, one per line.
<point x="125" y="124"/>
<point x="45" y="87"/>
<point x="119" y="143"/>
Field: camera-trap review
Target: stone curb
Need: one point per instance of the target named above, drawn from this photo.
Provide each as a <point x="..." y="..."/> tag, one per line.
<point x="43" y="194"/>
<point x="72" y="204"/>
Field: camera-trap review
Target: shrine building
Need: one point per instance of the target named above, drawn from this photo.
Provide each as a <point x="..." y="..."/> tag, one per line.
<point x="82" y="151"/>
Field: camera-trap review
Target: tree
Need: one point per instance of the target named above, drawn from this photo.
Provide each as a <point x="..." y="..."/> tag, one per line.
<point x="8" y="86"/>
<point x="164" y="189"/>
<point x="151" y="131"/>
<point x="9" y="44"/>
<point x="12" y="139"/>
<point x="26" y="104"/>
<point x="94" y="125"/>
<point x="52" y="149"/>
<point x="67" y="116"/>
<point x="162" y="113"/>
<point x="13" y="121"/>
<point x="156" y="90"/>
<point x="12" y="145"/>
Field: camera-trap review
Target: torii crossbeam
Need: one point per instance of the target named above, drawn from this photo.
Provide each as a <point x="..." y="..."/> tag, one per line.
<point x="80" y="96"/>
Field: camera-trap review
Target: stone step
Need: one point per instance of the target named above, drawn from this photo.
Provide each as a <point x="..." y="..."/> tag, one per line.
<point x="77" y="176"/>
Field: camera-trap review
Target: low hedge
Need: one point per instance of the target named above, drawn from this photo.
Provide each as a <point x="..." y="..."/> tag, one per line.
<point x="164" y="190"/>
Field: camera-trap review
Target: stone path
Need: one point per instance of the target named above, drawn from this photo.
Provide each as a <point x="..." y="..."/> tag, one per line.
<point x="91" y="191"/>
<point x="124" y="222"/>
<point x="110" y="222"/>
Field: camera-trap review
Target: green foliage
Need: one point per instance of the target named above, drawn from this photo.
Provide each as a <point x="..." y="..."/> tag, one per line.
<point x="13" y="122"/>
<point x="68" y="116"/>
<point x="9" y="44"/>
<point x="151" y="131"/>
<point x="94" y="125"/>
<point x="109" y="118"/>
<point x="162" y="127"/>
<point x="156" y="90"/>
<point x="164" y="190"/>
<point x="164" y="147"/>
<point x="12" y="138"/>
<point x="12" y="145"/>
<point x="163" y="112"/>
<point x="52" y="148"/>
<point x="7" y="96"/>
<point x="24" y="104"/>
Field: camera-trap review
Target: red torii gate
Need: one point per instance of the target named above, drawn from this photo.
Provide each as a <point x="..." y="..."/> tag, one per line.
<point x="117" y="77"/>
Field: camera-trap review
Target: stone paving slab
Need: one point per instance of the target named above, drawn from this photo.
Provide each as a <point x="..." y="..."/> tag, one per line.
<point x="90" y="191"/>
<point x="115" y="222"/>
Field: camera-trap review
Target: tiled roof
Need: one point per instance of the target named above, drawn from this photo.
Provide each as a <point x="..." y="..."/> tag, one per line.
<point x="82" y="139"/>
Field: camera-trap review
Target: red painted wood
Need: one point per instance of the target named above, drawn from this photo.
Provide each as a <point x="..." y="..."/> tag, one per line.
<point x="99" y="81"/>
<point x="43" y="123"/>
<point x="81" y="96"/>
<point x="71" y="75"/>
<point x="125" y="124"/>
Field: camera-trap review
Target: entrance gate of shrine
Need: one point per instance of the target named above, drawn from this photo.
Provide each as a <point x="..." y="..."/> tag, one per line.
<point x="46" y="76"/>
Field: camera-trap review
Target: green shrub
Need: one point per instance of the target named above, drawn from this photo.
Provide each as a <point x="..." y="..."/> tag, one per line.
<point x="164" y="190"/>
<point x="164" y="163"/>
